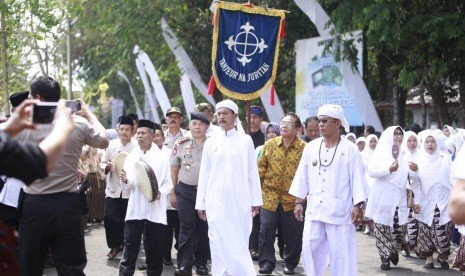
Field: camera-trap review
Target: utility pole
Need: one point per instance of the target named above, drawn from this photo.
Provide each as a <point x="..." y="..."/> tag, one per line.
<point x="68" y="57"/>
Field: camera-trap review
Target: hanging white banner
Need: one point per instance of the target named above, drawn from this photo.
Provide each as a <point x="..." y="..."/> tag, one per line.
<point x="352" y="80"/>
<point x="275" y="113"/>
<point x="187" y="94"/>
<point x="148" y="92"/>
<point x="124" y="77"/>
<point x="157" y="85"/>
<point x="184" y="60"/>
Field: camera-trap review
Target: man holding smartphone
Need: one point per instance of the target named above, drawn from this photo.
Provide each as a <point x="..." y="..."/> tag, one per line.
<point x="51" y="209"/>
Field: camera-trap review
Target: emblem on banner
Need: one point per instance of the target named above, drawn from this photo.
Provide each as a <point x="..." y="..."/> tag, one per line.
<point x="246" y="44"/>
<point x="245" y="49"/>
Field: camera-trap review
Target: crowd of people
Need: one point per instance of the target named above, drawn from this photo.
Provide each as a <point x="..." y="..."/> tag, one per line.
<point x="222" y="194"/>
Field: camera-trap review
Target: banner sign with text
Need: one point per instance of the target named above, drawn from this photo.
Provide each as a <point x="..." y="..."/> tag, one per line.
<point x="245" y="49"/>
<point x="321" y="80"/>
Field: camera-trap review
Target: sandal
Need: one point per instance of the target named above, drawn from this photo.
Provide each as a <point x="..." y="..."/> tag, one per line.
<point x="113" y="253"/>
<point x="254" y="254"/>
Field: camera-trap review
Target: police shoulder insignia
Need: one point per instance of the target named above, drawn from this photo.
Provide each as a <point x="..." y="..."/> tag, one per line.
<point x="184" y="139"/>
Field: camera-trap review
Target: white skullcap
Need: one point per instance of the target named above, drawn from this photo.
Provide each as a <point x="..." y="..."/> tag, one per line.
<point x="334" y="111"/>
<point x="233" y="106"/>
<point x="228" y="104"/>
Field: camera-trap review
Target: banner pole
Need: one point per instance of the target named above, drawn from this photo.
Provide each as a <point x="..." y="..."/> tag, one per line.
<point x="247" y="115"/>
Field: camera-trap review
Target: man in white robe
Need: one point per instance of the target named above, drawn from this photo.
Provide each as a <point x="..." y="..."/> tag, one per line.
<point x="143" y="214"/>
<point x="229" y="193"/>
<point x="330" y="175"/>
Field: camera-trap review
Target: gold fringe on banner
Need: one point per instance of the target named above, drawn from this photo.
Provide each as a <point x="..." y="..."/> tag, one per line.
<point x="253" y="10"/>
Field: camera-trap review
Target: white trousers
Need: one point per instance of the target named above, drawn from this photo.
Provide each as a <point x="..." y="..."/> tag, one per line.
<point x="324" y="244"/>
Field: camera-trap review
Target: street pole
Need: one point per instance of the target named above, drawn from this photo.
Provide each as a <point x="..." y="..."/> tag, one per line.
<point x="68" y="57"/>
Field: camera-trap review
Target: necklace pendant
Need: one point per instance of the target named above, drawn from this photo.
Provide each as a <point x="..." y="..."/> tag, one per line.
<point x="314" y="163"/>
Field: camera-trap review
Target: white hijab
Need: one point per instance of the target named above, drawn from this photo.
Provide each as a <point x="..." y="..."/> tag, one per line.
<point x="382" y="159"/>
<point x="367" y="151"/>
<point x="432" y="168"/>
<point x="410" y="154"/>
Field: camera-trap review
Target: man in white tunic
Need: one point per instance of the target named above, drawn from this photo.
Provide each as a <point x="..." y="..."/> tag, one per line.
<point x="330" y="175"/>
<point x="229" y="193"/>
<point x="142" y="214"/>
<point x="116" y="199"/>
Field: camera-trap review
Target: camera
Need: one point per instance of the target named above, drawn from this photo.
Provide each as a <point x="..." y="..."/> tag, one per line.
<point x="74" y="105"/>
<point x="43" y="112"/>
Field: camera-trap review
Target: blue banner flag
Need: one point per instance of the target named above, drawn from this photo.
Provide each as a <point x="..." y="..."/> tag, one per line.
<point x="245" y="49"/>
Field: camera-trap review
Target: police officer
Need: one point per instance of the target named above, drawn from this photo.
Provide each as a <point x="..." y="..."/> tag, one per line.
<point x="185" y="166"/>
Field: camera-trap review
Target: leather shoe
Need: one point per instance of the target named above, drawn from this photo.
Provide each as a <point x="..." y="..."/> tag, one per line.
<point x="202" y="270"/>
<point x="142" y="266"/>
<point x="265" y="269"/>
<point x="444" y="264"/>
<point x="429" y="266"/>
<point x="288" y="271"/>
<point x="167" y="261"/>
<point x="385" y="266"/>
<point x="183" y="271"/>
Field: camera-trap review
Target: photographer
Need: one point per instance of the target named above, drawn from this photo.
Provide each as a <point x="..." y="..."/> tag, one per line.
<point x="51" y="209"/>
<point x="37" y="160"/>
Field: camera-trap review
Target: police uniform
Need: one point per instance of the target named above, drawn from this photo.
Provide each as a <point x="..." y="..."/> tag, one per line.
<point x="193" y="236"/>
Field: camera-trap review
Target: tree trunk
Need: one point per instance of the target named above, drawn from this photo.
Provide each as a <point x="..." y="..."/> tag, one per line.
<point x="6" y="106"/>
<point x="383" y="86"/>
<point x="401" y="102"/>
<point x="395" y="101"/>
<point x="439" y="104"/>
<point x="461" y="111"/>
<point x="423" y="107"/>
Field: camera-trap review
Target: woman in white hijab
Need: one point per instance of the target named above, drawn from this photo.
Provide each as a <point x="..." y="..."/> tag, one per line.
<point x="410" y="148"/>
<point x="431" y="184"/>
<point x="351" y="137"/>
<point x="387" y="202"/>
<point x="371" y="142"/>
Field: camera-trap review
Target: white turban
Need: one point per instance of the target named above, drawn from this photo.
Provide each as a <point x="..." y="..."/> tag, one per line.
<point x="233" y="106"/>
<point x="334" y="111"/>
<point x="228" y="104"/>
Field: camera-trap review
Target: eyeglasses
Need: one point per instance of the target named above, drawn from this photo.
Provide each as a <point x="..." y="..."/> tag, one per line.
<point x="398" y="134"/>
<point x="286" y="124"/>
<point x="325" y="121"/>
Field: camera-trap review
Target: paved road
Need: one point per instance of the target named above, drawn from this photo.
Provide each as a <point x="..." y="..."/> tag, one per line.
<point x="368" y="260"/>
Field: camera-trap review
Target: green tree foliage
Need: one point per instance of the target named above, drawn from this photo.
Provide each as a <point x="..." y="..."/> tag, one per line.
<point x="416" y="42"/>
<point x="108" y="31"/>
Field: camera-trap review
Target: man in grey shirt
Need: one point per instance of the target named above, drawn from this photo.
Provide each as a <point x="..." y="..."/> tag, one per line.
<point x="51" y="209"/>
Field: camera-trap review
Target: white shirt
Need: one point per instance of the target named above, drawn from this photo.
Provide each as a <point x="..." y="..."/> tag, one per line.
<point x="229" y="186"/>
<point x="113" y="188"/>
<point x="10" y="192"/>
<point x="333" y="190"/>
<point x="139" y="207"/>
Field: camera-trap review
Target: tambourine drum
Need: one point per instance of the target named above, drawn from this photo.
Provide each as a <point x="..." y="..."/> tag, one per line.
<point x="119" y="162"/>
<point x="146" y="180"/>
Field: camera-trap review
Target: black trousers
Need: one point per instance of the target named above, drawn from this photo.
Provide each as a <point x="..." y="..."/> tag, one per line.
<point x="115" y="212"/>
<point x="292" y="231"/>
<point x="53" y="220"/>
<point x="193" y="240"/>
<point x="8" y="215"/>
<point x="254" y="234"/>
<point x="153" y="243"/>
<point x="172" y="228"/>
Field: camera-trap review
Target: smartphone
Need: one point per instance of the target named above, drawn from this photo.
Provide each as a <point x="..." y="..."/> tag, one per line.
<point x="43" y="112"/>
<point x="75" y="105"/>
